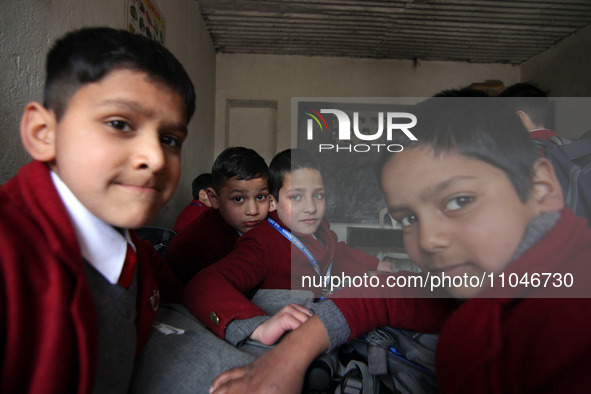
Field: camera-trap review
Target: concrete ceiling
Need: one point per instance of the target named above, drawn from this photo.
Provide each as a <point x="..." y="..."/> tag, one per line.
<point x="480" y="31"/>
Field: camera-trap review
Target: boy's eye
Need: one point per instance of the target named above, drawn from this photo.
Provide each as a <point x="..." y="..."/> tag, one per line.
<point x="171" y="141"/>
<point x="119" y="125"/>
<point x="261" y="197"/>
<point x="407" y="220"/>
<point x="458" y="202"/>
<point x="295" y="197"/>
<point x="238" y="199"/>
<point x="319" y="196"/>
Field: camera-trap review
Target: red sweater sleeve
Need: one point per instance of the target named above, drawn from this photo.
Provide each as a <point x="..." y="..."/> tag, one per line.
<point x="368" y="308"/>
<point x="215" y="295"/>
<point x="419" y="314"/>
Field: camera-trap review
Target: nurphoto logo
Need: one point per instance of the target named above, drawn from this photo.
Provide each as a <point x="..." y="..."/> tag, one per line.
<point x="395" y="122"/>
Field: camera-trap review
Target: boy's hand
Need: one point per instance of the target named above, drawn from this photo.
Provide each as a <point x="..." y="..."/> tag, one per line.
<point x="270" y="373"/>
<point x="287" y="319"/>
<point x="385" y="266"/>
<point x="281" y="369"/>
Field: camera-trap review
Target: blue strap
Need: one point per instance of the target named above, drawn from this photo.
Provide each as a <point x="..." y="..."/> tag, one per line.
<point x="294" y="240"/>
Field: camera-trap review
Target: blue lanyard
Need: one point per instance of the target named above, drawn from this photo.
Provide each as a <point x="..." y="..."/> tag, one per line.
<point x="294" y="240"/>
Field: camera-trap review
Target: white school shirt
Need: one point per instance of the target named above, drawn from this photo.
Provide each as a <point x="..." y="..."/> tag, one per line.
<point x="102" y="245"/>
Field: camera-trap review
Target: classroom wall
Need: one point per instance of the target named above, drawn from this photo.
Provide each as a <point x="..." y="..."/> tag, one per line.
<point x="275" y="78"/>
<point x="564" y="70"/>
<point x="27" y="29"/>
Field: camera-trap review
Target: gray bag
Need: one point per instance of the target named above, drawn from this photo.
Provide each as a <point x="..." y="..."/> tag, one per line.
<point x="182" y="355"/>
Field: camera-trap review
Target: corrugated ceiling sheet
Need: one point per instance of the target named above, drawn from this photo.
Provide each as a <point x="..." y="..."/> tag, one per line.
<point x="460" y="30"/>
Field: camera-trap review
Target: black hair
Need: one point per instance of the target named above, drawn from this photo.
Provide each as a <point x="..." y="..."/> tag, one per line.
<point x="286" y="162"/>
<point x="201" y="182"/>
<point x="530" y="99"/>
<point x="240" y="163"/>
<point x="462" y="92"/>
<point x="484" y="129"/>
<point x="87" y="55"/>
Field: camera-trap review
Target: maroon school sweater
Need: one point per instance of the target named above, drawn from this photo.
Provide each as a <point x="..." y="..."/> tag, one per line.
<point x="48" y="324"/>
<point x="200" y="244"/>
<point x="538" y="344"/>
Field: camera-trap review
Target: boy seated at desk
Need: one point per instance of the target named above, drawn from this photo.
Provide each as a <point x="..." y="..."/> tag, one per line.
<point x="295" y="242"/>
<point x="476" y="200"/>
<point x="239" y="199"/>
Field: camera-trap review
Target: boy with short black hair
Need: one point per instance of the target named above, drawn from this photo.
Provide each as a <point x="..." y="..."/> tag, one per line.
<point x="239" y="198"/>
<point x="79" y="289"/>
<point x="474" y="199"/>
<point x="533" y="108"/>
<point x="199" y="204"/>
<point x="295" y="241"/>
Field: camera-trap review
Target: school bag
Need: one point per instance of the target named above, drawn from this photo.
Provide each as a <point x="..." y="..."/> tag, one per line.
<point x="571" y="159"/>
<point x="386" y="360"/>
<point x="159" y="237"/>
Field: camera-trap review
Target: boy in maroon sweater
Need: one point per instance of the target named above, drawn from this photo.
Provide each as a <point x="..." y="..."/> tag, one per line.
<point x="475" y="200"/>
<point x="198" y="205"/>
<point x="106" y="145"/>
<point x="239" y="202"/>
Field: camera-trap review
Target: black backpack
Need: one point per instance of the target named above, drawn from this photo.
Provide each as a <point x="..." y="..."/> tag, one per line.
<point x="159" y="237"/>
<point x="387" y="360"/>
<point x="572" y="164"/>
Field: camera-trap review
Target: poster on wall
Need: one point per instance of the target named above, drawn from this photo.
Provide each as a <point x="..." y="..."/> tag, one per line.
<point x="144" y="17"/>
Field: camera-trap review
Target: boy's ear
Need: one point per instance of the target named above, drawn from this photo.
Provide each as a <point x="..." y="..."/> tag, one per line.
<point x="546" y="190"/>
<point x="38" y="132"/>
<point x="203" y="197"/>
<point x="526" y="121"/>
<point x="213" y="198"/>
<point x="272" y="204"/>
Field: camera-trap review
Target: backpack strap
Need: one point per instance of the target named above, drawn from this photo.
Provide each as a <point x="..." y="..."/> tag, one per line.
<point x="560" y="141"/>
<point x="377" y="359"/>
<point x="357" y="379"/>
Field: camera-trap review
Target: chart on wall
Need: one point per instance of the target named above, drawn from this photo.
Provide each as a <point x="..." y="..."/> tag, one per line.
<point x="144" y="17"/>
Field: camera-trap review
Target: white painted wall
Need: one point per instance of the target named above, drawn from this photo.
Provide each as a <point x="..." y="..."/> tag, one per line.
<point x="279" y="78"/>
<point x="27" y="29"/>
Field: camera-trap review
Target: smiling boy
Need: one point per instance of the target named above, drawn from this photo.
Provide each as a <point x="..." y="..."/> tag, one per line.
<point x="300" y="201"/>
<point x="239" y="198"/>
<point x="473" y="197"/>
<point x="106" y="146"/>
<point x="450" y="238"/>
<point x="107" y="124"/>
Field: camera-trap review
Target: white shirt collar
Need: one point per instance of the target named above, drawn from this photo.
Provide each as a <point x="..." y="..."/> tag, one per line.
<point x="102" y="245"/>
